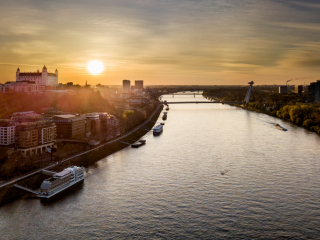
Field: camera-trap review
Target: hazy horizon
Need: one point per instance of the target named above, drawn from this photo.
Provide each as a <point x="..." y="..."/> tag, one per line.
<point x="218" y="42"/>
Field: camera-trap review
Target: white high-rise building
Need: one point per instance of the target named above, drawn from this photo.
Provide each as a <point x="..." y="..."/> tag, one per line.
<point x="7" y="132"/>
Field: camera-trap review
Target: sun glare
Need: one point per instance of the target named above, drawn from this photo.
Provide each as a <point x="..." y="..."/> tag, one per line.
<point x="95" y="67"/>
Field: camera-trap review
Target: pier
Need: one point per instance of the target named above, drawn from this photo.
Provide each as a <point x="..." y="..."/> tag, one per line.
<point x="47" y="172"/>
<point x="26" y="189"/>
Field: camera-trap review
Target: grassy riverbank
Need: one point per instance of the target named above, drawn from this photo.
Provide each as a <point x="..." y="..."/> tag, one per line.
<point x="11" y="193"/>
<point x="289" y="108"/>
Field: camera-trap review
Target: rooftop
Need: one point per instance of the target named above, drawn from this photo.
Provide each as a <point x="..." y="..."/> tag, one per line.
<point x="6" y="122"/>
<point x="63" y="173"/>
<point x="65" y="116"/>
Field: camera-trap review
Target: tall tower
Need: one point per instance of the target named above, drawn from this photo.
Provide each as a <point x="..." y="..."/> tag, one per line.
<point x="139" y="84"/>
<point x="56" y="77"/>
<point x="126" y="85"/>
<point x="17" y="75"/>
<point x="247" y="98"/>
<point x="44" y="75"/>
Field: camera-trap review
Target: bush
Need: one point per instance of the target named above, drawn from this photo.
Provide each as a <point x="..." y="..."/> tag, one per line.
<point x="308" y="123"/>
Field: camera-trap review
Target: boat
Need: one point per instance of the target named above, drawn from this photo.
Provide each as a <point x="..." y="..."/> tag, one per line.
<point x="138" y="144"/>
<point x="167" y="108"/>
<point x="157" y="130"/>
<point x="162" y="123"/>
<point x="164" y="117"/>
<point x="165" y="113"/>
<point x="61" y="181"/>
<point x="280" y="128"/>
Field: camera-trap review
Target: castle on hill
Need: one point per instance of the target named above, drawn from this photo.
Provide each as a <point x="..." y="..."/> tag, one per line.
<point x="42" y="78"/>
<point x="31" y="81"/>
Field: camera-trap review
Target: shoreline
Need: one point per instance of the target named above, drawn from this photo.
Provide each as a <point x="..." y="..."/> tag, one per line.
<point x="269" y="113"/>
<point x="9" y="193"/>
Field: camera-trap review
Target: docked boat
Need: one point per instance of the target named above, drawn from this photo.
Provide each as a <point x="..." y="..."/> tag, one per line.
<point x="162" y="123"/>
<point x="164" y="117"/>
<point x="280" y="128"/>
<point x="167" y="108"/>
<point x="138" y="144"/>
<point x="157" y="130"/>
<point x="61" y="181"/>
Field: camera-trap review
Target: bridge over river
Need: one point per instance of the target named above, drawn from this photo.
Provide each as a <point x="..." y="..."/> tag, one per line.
<point x="246" y="99"/>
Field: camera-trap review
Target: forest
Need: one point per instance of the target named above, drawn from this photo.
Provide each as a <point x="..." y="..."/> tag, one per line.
<point x="79" y="102"/>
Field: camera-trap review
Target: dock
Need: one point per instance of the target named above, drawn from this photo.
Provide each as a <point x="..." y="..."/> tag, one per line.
<point x="26" y="189"/>
<point x="49" y="173"/>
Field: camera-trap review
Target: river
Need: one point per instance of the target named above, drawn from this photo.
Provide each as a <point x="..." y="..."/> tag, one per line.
<point x="215" y="172"/>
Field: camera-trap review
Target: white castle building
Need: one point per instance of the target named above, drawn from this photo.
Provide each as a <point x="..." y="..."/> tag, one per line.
<point x="31" y="81"/>
<point x="42" y="78"/>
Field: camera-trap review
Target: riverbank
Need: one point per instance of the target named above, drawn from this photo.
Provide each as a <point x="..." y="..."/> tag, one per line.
<point x="298" y="114"/>
<point x="10" y="193"/>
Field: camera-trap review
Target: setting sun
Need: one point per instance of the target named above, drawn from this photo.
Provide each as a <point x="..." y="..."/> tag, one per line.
<point x="95" y="67"/>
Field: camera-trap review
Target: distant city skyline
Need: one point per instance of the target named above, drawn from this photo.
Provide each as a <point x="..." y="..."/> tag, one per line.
<point x="218" y="42"/>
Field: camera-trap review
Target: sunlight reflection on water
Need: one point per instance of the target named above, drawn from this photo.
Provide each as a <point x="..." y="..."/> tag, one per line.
<point x="216" y="172"/>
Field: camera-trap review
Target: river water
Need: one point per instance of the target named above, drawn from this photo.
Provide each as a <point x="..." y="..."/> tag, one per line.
<point x="215" y="172"/>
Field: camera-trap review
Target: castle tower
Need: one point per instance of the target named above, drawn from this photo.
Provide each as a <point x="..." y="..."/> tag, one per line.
<point x="17" y="75"/>
<point x="44" y="79"/>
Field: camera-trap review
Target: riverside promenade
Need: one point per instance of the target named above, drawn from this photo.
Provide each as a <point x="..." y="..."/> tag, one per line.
<point x="16" y="179"/>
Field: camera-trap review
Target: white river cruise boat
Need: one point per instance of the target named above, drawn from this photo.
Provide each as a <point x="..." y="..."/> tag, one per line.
<point x="61" y="181"/>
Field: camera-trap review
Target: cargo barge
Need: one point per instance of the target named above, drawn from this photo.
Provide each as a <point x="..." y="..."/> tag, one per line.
<point x="138" y="144"/>
<point x="157" y="130"/>
<point x="280" y="128"/>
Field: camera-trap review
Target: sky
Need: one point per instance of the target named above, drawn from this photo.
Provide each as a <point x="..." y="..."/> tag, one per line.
<point x="163" y="42"/>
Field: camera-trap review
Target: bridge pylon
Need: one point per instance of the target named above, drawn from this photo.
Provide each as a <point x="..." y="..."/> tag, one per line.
<point x="247" y="98"/>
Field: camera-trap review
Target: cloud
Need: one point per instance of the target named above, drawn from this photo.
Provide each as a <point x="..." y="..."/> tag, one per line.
<point x="303" y="56"/>
<point x="306" y="4"/>
<point x="20" y="20"/>
<point x="314" y="27"/>
<point x="163" y="37"/>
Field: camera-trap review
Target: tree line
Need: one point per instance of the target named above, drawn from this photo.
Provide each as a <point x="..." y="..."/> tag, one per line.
<point x="289" y="106"/>
<point x="83" y="101"/>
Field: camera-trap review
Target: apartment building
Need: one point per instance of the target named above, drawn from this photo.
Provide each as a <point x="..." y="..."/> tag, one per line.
<point x="35" y="137"/>
<point x="94" y="123"/>
<point x="70" y="126"/>
<point x="7" y="132"/>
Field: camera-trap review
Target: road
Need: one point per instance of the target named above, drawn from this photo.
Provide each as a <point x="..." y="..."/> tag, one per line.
<point x="3" y="184"/>
<point x="204" y="102"/>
